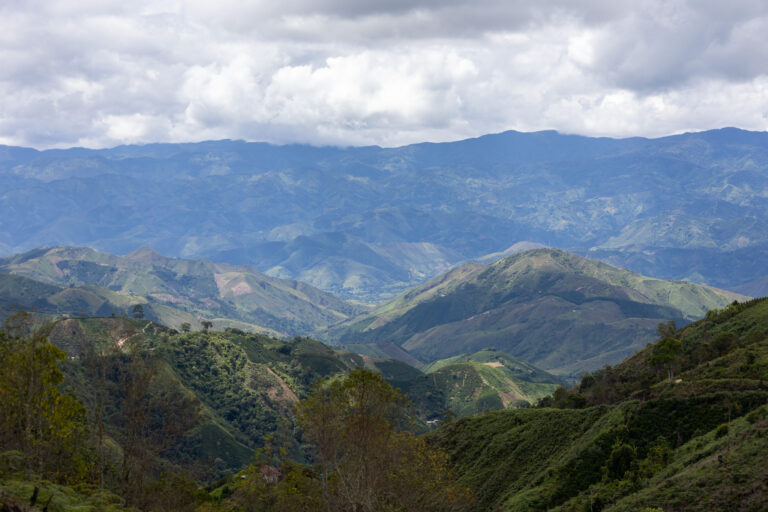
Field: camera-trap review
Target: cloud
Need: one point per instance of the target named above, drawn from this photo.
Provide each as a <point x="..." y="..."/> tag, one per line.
<point x="100" y="73"/>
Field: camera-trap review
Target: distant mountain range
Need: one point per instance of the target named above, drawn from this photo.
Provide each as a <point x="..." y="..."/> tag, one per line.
<point x="368" y="222"/>
<point x="557" y="310"/>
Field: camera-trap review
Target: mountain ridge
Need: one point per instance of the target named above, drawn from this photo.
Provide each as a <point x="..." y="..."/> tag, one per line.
<point x="197" y="288"/>
<point x="533" y="305"/>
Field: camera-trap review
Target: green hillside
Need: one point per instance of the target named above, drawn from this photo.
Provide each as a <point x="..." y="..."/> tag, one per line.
<point x="561" y="312"/>
<point x="627" y="438"/>
<point x="473" y="383"/>
<point x="246" y="384"/>
<point x="173" y="291"/>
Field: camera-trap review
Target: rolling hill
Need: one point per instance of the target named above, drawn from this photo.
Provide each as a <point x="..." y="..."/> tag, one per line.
<point x="85" y="282"/>
<point x="243" y="385"/>
<point x="559" y="311"/>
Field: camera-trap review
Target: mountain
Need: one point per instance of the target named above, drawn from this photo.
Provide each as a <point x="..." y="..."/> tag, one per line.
<point x="346" y="265"/>
<point x="85" y="282"/>
<point x="627" y="438"/>
<point x="368" y="222"/>
<point x="557" y="310"/>
<point x="19" y="292"/>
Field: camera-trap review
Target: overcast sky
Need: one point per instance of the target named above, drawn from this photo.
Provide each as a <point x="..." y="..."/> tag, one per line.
<point x="99" y="73"/>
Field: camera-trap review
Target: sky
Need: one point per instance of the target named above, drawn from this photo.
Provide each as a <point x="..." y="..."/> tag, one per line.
<point x="99" y="73"/>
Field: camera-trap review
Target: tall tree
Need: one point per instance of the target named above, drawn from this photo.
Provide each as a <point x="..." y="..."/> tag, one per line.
<point x="156" y="416"/>
<point x="665" y="354"/>
<point x="138" y="311"/>
<point x="368" y="462"/>
<point x="36" y="418"/>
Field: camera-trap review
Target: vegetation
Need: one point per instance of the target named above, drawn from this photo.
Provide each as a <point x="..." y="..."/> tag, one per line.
<point x="627" y="438"/>
<point x="45" y="425"/>
<point x="127" y="413"/>
<point x="474" y="383"/>
<point x="364" y="458"/>
<point x="159" y="404"/>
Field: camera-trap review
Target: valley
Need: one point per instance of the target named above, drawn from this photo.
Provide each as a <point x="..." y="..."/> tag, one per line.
<point x="384" y="256"/>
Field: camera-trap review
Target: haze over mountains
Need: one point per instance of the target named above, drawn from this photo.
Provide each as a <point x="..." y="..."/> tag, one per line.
<point x="368" y="222"/>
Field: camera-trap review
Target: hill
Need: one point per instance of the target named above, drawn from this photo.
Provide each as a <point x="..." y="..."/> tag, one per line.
<point x="89" y="283"/>
<point x="244" y="385"/>
<point x="628" y="439"/>
<point x="369" y="222"/>
<point x="559" y="311"/>
<point x="474" y="383"/>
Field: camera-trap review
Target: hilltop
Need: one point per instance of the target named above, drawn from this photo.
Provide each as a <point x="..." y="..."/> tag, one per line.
<point x="475" y="383"/>
<point x="557" y="310"/>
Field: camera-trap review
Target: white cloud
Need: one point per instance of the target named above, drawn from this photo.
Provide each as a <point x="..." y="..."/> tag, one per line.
<point x="374" y="72"/>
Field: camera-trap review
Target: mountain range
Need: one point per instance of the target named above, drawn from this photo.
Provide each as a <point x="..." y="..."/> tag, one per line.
<point x="557" y="310"/>
<point x="85" y="282"/>
<point x="368" y="222"/>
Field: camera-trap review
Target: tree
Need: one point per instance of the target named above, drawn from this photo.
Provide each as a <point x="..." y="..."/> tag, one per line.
<point x="366" y="460"/>
<point x="185" y="327"/>
<point x="155" y="418"/>
<point x="138" y="311"/>
<point x="666" y="329"/>
<point x="207" y="324"/>
<point x="47" y="426"/>
<point x="665" y="354"/>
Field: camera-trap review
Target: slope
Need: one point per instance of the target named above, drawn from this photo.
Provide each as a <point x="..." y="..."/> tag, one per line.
<point x="638" y="440"/>
<point x="473" y="383"/>
<point x="559" y="311"/>
<point x="192" y="288"/>
<point x="243" y="385"/>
